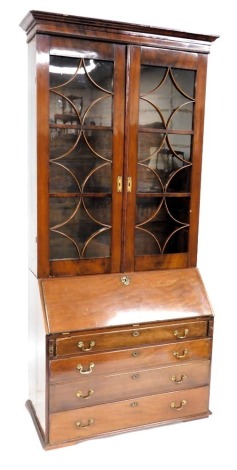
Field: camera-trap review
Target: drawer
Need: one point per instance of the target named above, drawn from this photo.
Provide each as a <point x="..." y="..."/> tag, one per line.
<point x="129" y="359"/>
<point x="130" y="337"/>
<point x="128" y="414"/>
<point x="107" y="388"/>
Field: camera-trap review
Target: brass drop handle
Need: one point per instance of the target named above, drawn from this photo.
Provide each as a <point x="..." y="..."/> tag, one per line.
<point x="85" y="371"/>
<point x="135" y="333"/>
<point x="89" y="393"/>
<point x="178" y="381"/>
<point x="180" y="356"/>
<point x="83" y="426"/>
<point x="180" y="335"/>
<point x="178" y="407"/>
<point x="82" y="346"/>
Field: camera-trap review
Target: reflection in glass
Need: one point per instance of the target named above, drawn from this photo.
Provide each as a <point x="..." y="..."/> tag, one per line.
<point x="147" y="180"/>
<point x="158" y="166"/>
<point x="181" y="145"/>
<point x="166" y="110"/>
<point x="80" y="105"/>
<point x="162" y="225"/>
<point x="99" y="180"/>
<point x="148" y="145"/>
<point x="162" y="91"/>
<point x="100" y="142"/>
<point x="76" y="86"/>
<point x="78" y="223"/>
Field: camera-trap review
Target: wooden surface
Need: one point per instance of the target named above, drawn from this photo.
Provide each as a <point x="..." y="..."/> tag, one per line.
<point x="111" y="387"/>
<point x="52" y="23"/>
<point x="129" y="359"/>
<point x="127" y="414"/>
<point x="126" y="46"/>
<point x="117" y="338"/>
<point x="99" y="301"/>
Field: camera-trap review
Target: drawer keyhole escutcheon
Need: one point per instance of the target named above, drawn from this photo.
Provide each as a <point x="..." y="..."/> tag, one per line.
<point x="85" y="371"/>
<point x="179" y="355"/>
<point x="135" y="354"/>
<point x="181" y="335"/>
<point x="89" y="393"/>
<point x="178" y="381"/>
<point x="178" y="407"/>
<point x="81" y="345"/>
<point x="83" y="426"/>
<point x="125" y="280"/>
<point x="135" y="376"/>
<point x="136" y="333"/>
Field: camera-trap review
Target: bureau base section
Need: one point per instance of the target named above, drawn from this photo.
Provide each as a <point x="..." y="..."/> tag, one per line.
<point x="81" y="424"/>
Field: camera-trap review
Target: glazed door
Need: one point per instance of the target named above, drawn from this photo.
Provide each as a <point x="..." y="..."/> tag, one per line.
<point x="86" y="128"/>
<point x="165" y="116"/>
<point x="120" y="156"/>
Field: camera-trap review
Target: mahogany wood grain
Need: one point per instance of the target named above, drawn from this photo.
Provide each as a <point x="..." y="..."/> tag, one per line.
<point x="129" y="359"/>
<point x="124" y="337"/>
<point x="127" y="414"/>
<point x="42" y="109"/>
<point x="138" y="380"/>
<point x="69" y="25"/>
<point x="118" y="149"/>
<point x="114" y="387"/>
<point x="197" y="158"/>
<point x="89" y="302"/>
<point x="164" y="261"/>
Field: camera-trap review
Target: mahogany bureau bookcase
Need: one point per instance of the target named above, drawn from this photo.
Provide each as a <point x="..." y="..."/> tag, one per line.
<point x="120" y="324"/>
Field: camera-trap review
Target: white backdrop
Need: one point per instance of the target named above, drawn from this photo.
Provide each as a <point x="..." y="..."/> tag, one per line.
<point x="189" y="445"/>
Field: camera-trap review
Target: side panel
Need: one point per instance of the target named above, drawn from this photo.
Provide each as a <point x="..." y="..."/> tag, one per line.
<point x="37" y="353"/>
<point x="32" y="192"/>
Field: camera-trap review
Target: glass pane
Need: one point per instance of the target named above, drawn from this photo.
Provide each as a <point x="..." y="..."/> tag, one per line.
<point x="99" y="113"/>
<point x="75" y="223"/>
<point x="147" y="209"/>
<point x="99" y="246"/>
<point x="181" y="145"/>
<point x="99" y="180"/>
<point x="76" y="86"/>
<point x="148" y="145"/>
<point x="147" y="180"/>
<point x="185" y="81"/>
<point x="182" y="119"/>
<point x="179" y="180"/>
<point x="178" y="209"/>
<point x="62" y="247"/>
<point x="163" y="91"/>
<point x="100" y="142"/>
<point x="62" y="179"/>
<point x="178" y="242"/>
<point x="62" y="142"/>
<point x="162" y="225"/>
<point x="151" y="78"/>
<point x="150" y="115"/>
<point x="158" y="172"/>
<point x="81" y="140"/>
<point x="70" y="171"/>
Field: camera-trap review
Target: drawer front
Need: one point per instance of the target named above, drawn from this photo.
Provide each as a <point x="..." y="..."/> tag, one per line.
<point x="128" y="414"/>
<point x="129" y="359"/>
<point x="107" y="388"/>
<point x="130" y="337"/>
